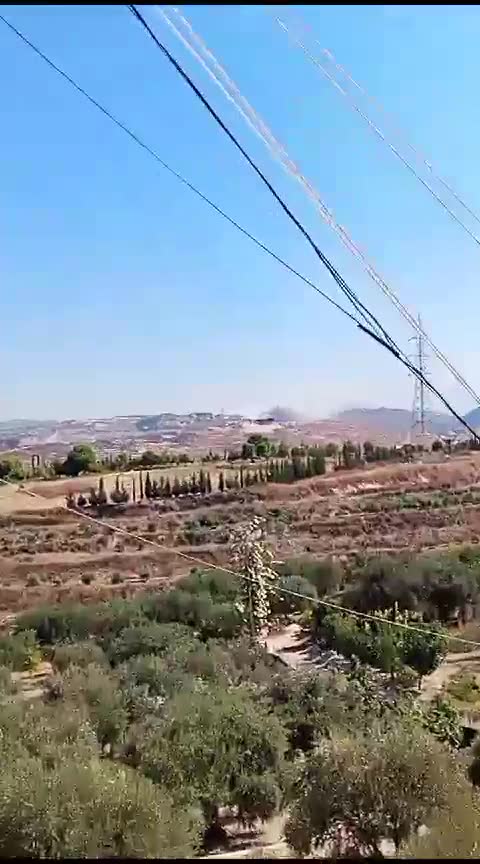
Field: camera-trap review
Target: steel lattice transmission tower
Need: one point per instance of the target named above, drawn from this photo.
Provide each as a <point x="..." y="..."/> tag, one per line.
<point x="419" y="426"/>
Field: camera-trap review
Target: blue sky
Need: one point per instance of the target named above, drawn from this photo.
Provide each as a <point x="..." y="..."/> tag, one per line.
<point x="123" y="293"/>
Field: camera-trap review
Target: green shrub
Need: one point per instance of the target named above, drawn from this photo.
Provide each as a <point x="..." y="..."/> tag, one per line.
<point x="20" y="651"/>
<point x="78" y="654"/>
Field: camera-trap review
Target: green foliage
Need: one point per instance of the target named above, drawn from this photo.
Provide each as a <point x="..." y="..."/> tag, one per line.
<point x="11" y="468"/>
<point x="86" y="809"/>
<point x="148" y="638"/>
<point x="96" y="690"/>
<point x="211" y="745"/>
<point x="382" y="785"/>
<point x="220" y="585"/>
<point x="20" y="651"/>
<point x="464" y="688"/>
<point x="326" y="574"/>
<point x="454" y="832"/>
<point x="440" y="585"/>
<point x="77" y="622"/>
<point x="81" y="458"/>
<point x="381" y="644"/>
<point x="284" y="604"/>
<point x="78" y="654"/>
<point x="442" y="719"/>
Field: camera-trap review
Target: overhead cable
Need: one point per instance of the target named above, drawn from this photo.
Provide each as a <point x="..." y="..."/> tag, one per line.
<point x="385" y="340"/>
<point x="275" y="589"/>
<point x="389" y="346"/>
<point x="376" y="130"/>
<point x="400" y="133"/>
<point x="354" y="299"/>
<point x="136" y="138"/>
<point x="205" y="56"/>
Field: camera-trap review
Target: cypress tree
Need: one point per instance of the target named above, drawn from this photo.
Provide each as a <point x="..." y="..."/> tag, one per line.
<point x="148" y="486"/>
<point x="140" y="480"/>
<point x="242" y="479"/>
<point x="221" y="482"/>
<point x="102" y="495"/>
<point x="167" y="490"/>
<point x="208" y="483"/>
<point x="134" y="489"/>
<point x="155" y="489"/>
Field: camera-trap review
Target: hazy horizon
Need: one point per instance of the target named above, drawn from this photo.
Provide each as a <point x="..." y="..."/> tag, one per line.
<point x="254" y="415"/>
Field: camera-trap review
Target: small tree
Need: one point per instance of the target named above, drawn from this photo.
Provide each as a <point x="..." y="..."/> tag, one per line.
<point x="102" y="498"/>
<point x="81" y="458"/>
<point x="148" y="486"/>
<point x="357" y="790"/>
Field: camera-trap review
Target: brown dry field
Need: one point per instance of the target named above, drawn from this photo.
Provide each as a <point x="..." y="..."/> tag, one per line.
<point x="48" y="555"/>
<point x="56" y="490"/>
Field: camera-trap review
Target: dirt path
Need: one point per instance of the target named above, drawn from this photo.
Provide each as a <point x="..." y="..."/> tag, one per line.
<point x="453" y="665"/>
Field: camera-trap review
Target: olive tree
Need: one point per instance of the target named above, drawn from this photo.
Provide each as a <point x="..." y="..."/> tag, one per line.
<point x="217" y="747"/>
<point x="357" y="790"/>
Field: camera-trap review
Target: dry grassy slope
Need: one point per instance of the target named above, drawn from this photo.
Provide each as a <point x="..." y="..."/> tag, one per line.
<point x="50" y="555"/>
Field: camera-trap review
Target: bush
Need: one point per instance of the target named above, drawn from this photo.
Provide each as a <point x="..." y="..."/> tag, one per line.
<point x="220" y="585"/>
<point x="77" y="622"/>
<point x="286" y="604"/>
<point x="325" y="575"/>
<point x="97" y="690"/>
<point x="20" y="651"/>
<point x="90" y="810"/>
<point x="78" y="654"/>
<point x="149" y="638"/>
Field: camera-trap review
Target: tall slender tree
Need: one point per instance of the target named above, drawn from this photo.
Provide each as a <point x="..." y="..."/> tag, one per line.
<point x="148" y="486"/>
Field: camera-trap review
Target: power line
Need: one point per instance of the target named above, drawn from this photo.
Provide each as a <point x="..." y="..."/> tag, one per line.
<point x="383" y="339"/>
<point x="172" y="550"/>
<point x="359" y="306"/>
<point x="171" y="170"/>
<point x="389" y="345"/>
<point x="423" y="158"/>
<point x="124" y="532"/>
<point x="230" y="89"/>
<point x="378" y="132"/>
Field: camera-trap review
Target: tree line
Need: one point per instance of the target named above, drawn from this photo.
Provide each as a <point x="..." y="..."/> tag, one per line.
<point x="144" y="487"/>
<point x="83" y="458"/>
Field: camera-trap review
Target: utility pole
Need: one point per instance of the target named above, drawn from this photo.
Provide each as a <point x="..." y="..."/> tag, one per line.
<point x="419" y="425"/>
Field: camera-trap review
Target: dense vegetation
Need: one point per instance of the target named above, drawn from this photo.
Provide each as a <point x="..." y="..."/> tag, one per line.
<point x="165" y="709"/>
<point x="286" y="464"/>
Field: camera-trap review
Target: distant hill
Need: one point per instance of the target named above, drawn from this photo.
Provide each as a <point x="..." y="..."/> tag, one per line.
<point x="473" y="417"/>
<point x="396" y="420"/>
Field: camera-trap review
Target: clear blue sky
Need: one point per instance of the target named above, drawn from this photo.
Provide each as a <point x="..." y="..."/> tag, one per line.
<point x="122" y="293"/>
